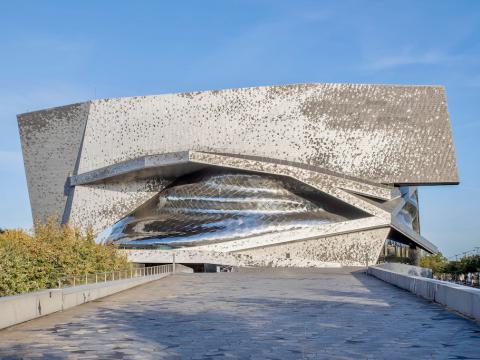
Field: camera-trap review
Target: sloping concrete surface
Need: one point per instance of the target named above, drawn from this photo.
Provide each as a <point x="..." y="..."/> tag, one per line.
<point x="23" y="307"/>
<point x="287" y="314"/>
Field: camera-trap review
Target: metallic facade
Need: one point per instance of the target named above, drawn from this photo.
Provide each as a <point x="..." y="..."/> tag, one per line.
<point x="296" y="175"/>
<point x="212" y="208"/>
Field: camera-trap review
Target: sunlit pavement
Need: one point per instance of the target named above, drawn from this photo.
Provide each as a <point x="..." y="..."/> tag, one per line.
<point x="330" y="314"/>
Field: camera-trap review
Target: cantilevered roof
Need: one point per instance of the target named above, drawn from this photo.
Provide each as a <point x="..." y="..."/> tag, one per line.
<point x="390" y="134"/>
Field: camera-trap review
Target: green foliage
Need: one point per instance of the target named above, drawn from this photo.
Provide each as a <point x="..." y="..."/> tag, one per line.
<point x="436" y="262"/>
<point x="32" y="262"/>
<point x="469" y="264"/>
<point x="440" y="265"/>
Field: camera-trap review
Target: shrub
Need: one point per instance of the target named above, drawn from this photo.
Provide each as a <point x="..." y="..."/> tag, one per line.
<point x="31" y="262"/>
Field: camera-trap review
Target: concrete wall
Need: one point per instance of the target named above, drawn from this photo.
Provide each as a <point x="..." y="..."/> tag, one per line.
<point x="460" y="298"/>
<point x="19" y="308"/>
<point x="407" y="269"/>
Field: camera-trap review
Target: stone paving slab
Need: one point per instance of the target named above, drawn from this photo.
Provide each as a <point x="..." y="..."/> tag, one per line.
<point x="258" y="315"/>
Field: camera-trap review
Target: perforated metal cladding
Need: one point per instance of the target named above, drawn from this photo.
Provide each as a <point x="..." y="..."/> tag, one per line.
<point x="383" y="133"/>
<point x="51" y="145"/>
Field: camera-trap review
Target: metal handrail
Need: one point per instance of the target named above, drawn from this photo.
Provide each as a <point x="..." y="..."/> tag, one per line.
<point x="95" y="278"/>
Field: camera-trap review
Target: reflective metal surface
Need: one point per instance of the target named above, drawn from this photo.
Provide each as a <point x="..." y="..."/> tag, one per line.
<point x="398" y="247"/>
<point x="409" y="214"/>
<point x="213" y="207"/>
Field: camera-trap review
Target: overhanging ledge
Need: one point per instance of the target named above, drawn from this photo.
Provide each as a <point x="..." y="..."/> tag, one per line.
<point x="167" y="165"/>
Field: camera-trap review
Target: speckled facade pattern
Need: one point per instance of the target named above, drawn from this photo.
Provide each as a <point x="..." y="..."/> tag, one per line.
<point x="352" y="249"/>
<point x="51" y="145"/>
<point x="94" y="163"/>
<point x="96" y="206"/>
<point x="383" y="133"/>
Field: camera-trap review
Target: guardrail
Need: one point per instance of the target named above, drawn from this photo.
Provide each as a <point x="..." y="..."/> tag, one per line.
<point x="80" y="289"/>
<point x="103" y="277"/>
<point x="463" y="299"/>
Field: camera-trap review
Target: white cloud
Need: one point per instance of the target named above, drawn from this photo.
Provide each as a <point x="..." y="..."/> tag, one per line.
<point x="409" y="57"/>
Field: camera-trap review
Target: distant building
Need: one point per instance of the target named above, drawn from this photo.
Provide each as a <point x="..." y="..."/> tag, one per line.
<point x="295" y="175"/>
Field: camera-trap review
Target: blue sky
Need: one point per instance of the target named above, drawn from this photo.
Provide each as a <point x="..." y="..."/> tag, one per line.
<point x="57" y="52"/>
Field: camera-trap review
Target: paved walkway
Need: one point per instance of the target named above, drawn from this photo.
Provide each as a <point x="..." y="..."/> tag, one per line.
<point x="264" y="315"/>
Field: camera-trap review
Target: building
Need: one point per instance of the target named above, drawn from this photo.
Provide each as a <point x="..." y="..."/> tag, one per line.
<point x="295" y="175"/>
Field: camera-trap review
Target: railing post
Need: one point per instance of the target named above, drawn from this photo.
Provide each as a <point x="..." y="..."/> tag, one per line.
<point x="73" y="280"/>
<point x="105" y="277"/>
<point x="173" y="267"/>
<point x="96" y="278"/>
<point x="113" y="275"/>
<point x="86" y="278"/>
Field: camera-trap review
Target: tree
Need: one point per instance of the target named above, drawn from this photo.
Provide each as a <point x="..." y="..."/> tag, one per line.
<point x="437" y="262"/>
<point x="470" y="264"/>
